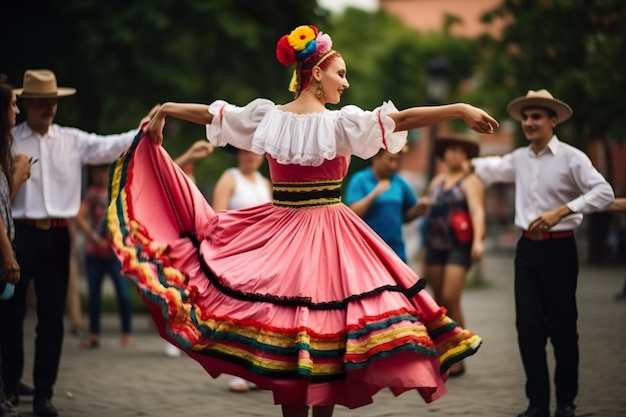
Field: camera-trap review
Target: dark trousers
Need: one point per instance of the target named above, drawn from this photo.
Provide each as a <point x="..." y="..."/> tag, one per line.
<point x="97" y="268"/>
<point x="43" y="256"/>
<point x="546" y="274"/>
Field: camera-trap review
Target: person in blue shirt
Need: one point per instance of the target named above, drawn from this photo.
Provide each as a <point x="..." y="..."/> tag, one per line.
<point x="384" y="200"/>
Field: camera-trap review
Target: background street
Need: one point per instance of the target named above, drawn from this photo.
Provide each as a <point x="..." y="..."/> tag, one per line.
<point x="142" y="380"/>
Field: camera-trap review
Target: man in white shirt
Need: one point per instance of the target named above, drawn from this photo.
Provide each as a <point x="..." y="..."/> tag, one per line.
<point x="41" y="209"/>
<point x="555" y="184"/>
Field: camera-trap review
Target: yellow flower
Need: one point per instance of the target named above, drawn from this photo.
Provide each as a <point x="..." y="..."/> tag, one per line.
<point x="300" y="37"/>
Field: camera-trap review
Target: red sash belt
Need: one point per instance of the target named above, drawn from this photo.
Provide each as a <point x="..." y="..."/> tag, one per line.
<point x="548" y="235"/>
<point x="44" y="224"/>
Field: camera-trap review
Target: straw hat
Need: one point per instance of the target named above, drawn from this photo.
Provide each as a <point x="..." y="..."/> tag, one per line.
<point x="42" y="83"/>
<point x="539" y="98"/>
<point x="469" y="144"/>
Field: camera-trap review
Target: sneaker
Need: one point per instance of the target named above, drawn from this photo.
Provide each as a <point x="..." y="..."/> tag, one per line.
<point x="237" y="384"/>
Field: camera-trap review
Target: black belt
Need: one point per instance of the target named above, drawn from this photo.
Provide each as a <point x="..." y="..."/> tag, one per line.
<point x="306" y="194"/>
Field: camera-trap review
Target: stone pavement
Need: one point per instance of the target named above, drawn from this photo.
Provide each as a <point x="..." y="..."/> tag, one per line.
<point x="142" y="381"/>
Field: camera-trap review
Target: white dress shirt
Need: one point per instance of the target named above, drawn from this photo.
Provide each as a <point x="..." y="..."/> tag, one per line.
<point x="560" y="174"/>
<point x="54" y="186"/>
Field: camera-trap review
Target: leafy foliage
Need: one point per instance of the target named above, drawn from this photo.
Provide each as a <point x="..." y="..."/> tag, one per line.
<point x="574" y="48"/>
<point x="387" y="60"/>
<point x="124" y="57"/>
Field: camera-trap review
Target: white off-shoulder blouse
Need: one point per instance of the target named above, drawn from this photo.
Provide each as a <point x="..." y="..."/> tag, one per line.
<point x="304" y="139"/>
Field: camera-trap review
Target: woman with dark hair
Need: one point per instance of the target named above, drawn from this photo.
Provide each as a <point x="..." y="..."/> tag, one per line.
<point x="12" y="174"/>
<point x="298" y="296"/>
<point x="455" y="226"/>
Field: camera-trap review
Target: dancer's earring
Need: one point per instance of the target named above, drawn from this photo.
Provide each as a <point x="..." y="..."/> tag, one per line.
<point x="319" y="93"/>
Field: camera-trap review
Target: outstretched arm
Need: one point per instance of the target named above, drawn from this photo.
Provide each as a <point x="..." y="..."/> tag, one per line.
<point x="191" y="112"/>
<point x="418" y="117"/>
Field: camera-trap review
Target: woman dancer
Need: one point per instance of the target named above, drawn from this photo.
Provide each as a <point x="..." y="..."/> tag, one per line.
<point x="298" y="296"/>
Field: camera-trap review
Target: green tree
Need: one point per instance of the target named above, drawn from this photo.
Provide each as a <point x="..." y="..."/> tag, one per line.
<point x="123" y="57"/>
<point x="386" y="60"/>
<point x="577" y="50"/>
<point x="574" y="48"/>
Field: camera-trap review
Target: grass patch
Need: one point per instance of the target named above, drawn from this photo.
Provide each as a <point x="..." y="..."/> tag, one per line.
<point x="478" y="283"/>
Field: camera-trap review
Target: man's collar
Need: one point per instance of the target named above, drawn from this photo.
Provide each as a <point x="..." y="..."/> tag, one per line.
<point x="552" y="146"/>
<point x="28" y="131"/>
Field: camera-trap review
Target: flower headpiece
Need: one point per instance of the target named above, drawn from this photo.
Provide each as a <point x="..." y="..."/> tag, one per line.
<point x="305" y="46"/>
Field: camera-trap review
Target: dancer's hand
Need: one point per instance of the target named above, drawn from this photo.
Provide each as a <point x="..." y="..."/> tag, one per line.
<point x="149" y="116"/>
<point x="478" y="119"/>
<point x="155" y="128"/>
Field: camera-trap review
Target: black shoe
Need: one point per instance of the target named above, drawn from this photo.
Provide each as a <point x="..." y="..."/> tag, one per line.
<point x="13" y="399"/>
<point x="565" y="410"/>
<point x="534" y="411"/>
<point x="44" y="408"/>
<point x="25" y="390"/>
<point x="7" y="409"/>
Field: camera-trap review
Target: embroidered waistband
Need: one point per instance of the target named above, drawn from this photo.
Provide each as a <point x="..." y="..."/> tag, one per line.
<point x="306" y="194"/>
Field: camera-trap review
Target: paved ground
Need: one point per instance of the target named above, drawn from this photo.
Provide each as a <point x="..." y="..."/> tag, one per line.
<point x="142" y="381"/>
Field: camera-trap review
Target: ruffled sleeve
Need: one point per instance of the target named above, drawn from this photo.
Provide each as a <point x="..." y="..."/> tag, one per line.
<point x="236" y="125"/>
<point x="363" y="133"/>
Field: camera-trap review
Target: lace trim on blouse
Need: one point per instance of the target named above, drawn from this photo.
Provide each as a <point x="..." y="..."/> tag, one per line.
<point x="304" y="139"/>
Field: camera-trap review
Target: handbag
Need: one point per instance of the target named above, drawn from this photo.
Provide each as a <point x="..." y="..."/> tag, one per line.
<point x="461" y="223"/>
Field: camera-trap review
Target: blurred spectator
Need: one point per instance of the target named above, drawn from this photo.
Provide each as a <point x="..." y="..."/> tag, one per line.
<point x="241" y="187"/>
<point x="100" y="260"/>
<point x="384" y="200"/>
<point x="455" y="226"/>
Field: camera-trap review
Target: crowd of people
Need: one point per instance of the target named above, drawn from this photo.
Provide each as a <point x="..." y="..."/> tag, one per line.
<point x="284" y="269"/>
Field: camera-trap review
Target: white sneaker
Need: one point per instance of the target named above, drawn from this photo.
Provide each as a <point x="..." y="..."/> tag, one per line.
<point x="237" y="384"/>
<point x="172" y="351"/>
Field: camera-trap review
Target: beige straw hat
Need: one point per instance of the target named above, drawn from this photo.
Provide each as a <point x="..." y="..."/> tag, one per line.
<point x="539" y="98"/>
<point x="42" y="83"/>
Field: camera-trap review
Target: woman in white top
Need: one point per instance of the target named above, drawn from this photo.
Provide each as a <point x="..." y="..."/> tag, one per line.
<point x="238" y="188"/>
<point x="243" y="186"/>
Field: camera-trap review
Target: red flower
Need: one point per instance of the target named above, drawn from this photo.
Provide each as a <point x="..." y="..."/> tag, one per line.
<point x="285" y="54"/>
